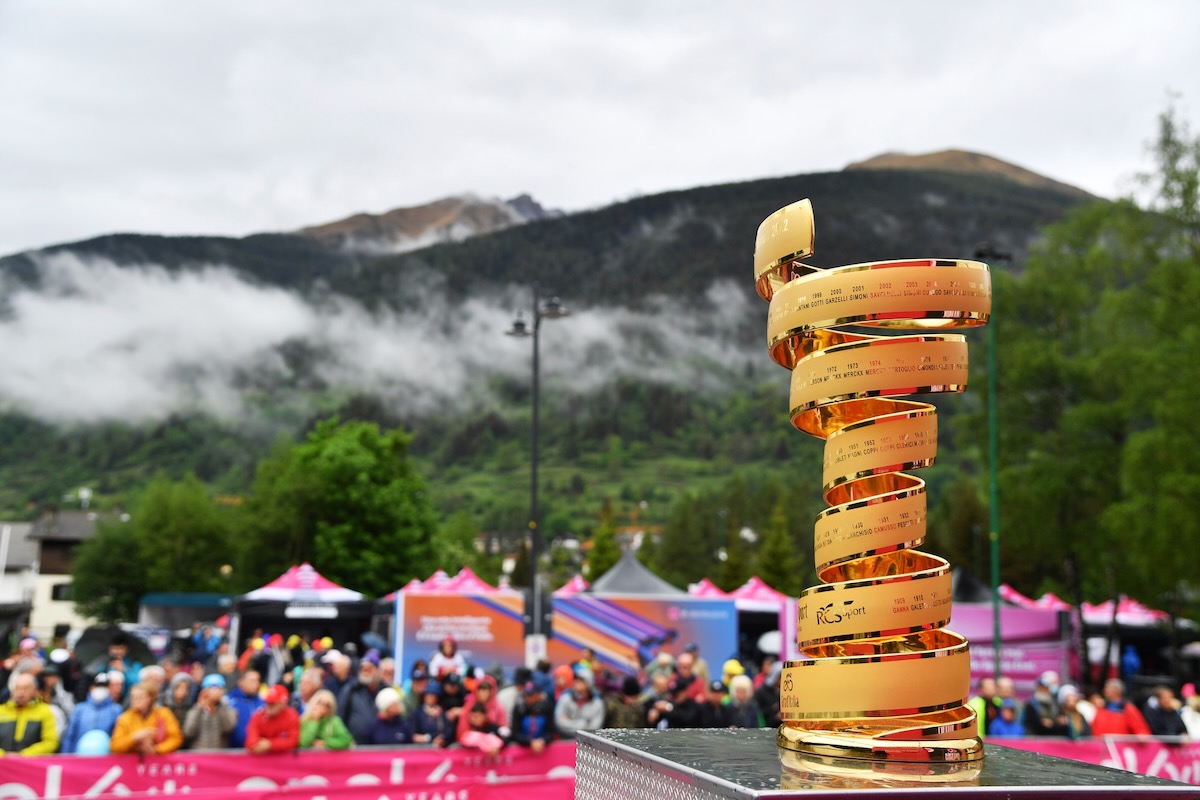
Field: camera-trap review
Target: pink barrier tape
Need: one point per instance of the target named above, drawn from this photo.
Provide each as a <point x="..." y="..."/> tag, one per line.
<point x="367" y="774"/>
<point x="1172" y="758"/>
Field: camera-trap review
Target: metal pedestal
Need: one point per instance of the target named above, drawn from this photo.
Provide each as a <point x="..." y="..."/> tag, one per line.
<point x="715" y="764"/>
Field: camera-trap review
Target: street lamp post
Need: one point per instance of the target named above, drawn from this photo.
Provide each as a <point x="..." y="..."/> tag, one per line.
<point x="551" y="309"/>
<point x="985" y="252"/>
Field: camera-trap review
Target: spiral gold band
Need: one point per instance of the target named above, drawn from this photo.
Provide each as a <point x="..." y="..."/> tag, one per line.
<point x="882" y="678"/>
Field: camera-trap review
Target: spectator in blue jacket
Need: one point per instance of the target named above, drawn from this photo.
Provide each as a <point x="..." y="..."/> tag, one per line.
<point x="97" y="713"/>
<point x="245" y="700"/>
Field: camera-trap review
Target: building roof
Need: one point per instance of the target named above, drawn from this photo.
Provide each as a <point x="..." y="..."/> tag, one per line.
<point x="22" y="550"/>
<point x="68" y="526"/>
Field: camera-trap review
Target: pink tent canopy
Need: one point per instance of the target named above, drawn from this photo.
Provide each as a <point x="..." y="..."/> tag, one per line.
<point x="306" y="584"/>
<point x="435" y="582"/>
<point x="574" y="586"/>
<point x="467" y="582"/>
<point x="706" y="588"/>
<point x="1129" y="612"/>
<point x="756" y="595"/>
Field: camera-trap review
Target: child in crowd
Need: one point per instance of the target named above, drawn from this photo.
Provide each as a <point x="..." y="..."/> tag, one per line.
<point x="429" y="723"/>
<point x="482" y="734"/>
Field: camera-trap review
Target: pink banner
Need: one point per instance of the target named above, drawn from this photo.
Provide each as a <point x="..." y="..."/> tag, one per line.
<point x="366" y="774"/>
<point x="1172" y="759"/>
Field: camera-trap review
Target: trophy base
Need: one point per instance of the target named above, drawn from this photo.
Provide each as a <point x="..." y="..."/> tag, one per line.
<point x="826" y="744"/>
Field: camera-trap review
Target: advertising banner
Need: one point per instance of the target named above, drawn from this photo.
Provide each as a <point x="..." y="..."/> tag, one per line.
<point x="1033" y="640"/>
<point x="627" y="631"/>
<point x="487" y="627"/>
<point x="363" y="774"/>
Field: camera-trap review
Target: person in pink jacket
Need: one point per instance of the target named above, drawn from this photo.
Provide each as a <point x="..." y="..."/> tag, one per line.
<point x="485" y="693"/>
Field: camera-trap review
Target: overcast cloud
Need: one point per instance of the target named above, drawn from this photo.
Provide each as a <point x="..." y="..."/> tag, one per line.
<point x="101" y="342"/>
<point x="233" y="117"/>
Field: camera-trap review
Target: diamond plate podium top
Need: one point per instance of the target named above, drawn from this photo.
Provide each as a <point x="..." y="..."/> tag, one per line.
<point x="698" y="764"/>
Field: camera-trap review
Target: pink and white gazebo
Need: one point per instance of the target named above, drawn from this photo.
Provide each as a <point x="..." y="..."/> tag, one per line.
<point x="303" y="584"/>
<point x="467" y="582"/>
<point x="756" y="595"/>
<point x="435" y="582"/>
<point x="706" y="588"/>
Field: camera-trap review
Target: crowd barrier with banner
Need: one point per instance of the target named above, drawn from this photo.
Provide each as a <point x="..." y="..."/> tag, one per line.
<point x="428" y="774"/>
<point x="415" y="773"/>
<point x="625" y="631"/>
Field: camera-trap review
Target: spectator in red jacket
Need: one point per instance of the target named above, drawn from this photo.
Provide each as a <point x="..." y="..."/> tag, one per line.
<point x="274" y="728"/>
<point x="1118" y="716"/>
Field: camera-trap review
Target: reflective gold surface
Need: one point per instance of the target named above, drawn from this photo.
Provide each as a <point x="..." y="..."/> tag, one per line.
<point x="880" y="678"/>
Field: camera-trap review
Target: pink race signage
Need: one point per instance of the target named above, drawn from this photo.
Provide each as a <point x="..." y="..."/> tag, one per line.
<point x="368" y="774"/>
<point x="1167" y="758"/>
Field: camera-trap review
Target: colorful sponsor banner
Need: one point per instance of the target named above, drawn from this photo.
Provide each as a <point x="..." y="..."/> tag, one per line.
<point x="1169" y="759"/>
<point x="363" y="774"/>
<point x="488" y="628"/>
<point x="626" y="632"/>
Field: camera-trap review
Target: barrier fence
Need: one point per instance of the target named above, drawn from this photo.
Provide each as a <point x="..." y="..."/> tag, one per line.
<point x="364" y="774"/>
<point x="429" y="774"/>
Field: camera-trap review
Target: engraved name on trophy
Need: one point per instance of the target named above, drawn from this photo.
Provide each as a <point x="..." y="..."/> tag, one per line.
<point x="880" y="677"/>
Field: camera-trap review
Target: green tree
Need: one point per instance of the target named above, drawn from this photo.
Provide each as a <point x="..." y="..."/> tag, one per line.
<point x="349" y="500"/>
<point x="184" y="538"/>
<point x="606" y="549"/>
<point x="110" y="576"/>
<point x="778" y="560"/>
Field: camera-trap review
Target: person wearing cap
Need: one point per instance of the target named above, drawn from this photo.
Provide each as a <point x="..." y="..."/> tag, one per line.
<point x="429" y="721"/>
<point x="338" y="665"/>
<point x="56" y="693"/>
<point x="413" y="697"/>
<point x="27" y="724"/>
<point x="244" y="700"/>
<point x="451" y="698"/>
<point x="579" y="709"/>
<point x="663" y="664"/>
<point x="1042" y="715"/>
<point x="683" y="711"/>
<point x="320" y="726"/>
<point x="713" y="711"/>
<point x="356" y="703"/>
<point x="147" y="728"/>
<point x="274" y="728"/>
<point x="533" y="717"/>
<point x="98" y="712"/>
<point x="209" y="723"/>
<point x="390" y="726"/>
<point x="625" y="710"/>
<point x="1006" y="725"/>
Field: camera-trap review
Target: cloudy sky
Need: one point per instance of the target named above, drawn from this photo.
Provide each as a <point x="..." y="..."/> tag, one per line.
<point x="235" y="117"/>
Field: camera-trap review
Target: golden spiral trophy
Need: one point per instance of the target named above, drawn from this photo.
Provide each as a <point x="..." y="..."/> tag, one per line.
<point x="880" y="677"/>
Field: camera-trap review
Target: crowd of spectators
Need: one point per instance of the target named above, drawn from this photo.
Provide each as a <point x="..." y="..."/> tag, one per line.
<point x="1058" y="709"/>
<point x="279" y="694"/>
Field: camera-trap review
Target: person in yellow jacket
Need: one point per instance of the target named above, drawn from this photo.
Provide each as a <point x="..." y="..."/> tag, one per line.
<point x="146" y="727"/>
<point x="27" y="724"/>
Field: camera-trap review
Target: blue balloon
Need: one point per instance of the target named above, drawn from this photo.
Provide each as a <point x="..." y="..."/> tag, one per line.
<point x="93" y="743"/>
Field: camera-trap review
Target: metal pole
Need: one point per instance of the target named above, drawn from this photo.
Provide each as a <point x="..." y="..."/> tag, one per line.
<point x="994" y="495"/>
<point x="535" y="536"/>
